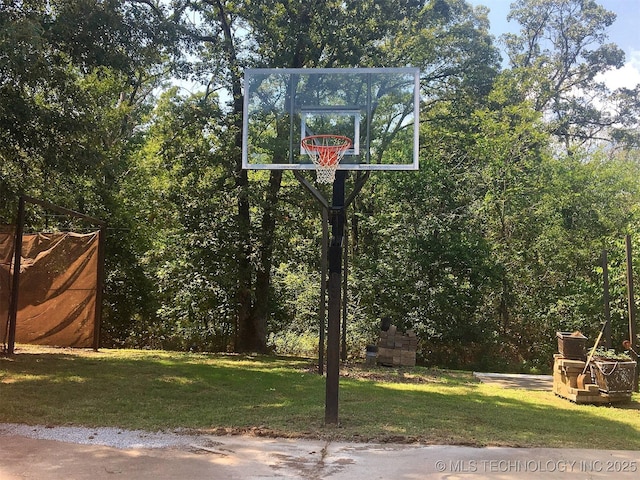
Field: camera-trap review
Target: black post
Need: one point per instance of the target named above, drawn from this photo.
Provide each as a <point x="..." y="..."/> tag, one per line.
<point x="631" y="302"/>
<point x="345" y="291"/>
<point x="335" y="287"/>
<point x="15" y="284"/>
<point x="97" y="325"/>
<point x="323" y="288"/>
<point x="607" y="306"/>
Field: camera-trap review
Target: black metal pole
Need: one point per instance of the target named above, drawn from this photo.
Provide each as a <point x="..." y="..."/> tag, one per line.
<point x="607" y="306"/>
<point x="323" y="289"/>
<point x="335" y="287"/>
<point x="15" y="284"/>
<point x="334" y="255"/>
<point x="345" y="292"/>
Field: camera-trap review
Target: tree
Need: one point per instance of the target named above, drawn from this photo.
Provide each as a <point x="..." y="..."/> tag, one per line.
<point x="557" y="57"/>
<point x="295" y="34"/>
<point x="547" y="217"/>
<point x="75" y="84"/>
<point x="418" y="253"/>
<point x="181" y="199"/>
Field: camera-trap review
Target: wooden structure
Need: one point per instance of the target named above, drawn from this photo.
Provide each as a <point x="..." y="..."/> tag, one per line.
<point x="565" y="382"/>
<point x="596" y="389"/>
<point x="397" y="349"/>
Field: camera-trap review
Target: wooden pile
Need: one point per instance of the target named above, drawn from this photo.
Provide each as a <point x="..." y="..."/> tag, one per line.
<point x="397" y="349"/>
<point x="569" y="364"/>
<point x="565" y="381"/>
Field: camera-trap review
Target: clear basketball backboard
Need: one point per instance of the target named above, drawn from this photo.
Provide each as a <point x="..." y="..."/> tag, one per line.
<point x="376" y="108"/>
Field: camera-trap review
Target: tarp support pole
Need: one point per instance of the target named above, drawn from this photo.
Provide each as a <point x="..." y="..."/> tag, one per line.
<point x="64" y="211"/>
<point x="99" y="287"/>
<point x="15" y="284"/>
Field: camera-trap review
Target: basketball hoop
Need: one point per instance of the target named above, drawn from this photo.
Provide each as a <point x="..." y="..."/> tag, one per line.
<point x="326" y="151"/>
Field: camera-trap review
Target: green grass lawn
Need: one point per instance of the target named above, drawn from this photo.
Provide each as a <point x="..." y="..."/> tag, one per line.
<point x="154" y="390"/>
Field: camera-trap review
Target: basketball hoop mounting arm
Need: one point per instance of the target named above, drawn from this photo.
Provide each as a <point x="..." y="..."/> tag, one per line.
<point x="360" y="181"/>
<point x="311" y="189"/>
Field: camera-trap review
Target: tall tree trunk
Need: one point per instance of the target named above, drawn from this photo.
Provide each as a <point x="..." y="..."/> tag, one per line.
<point x="245" y="330"/>
<point x="260" y="310"/>
<point x="247" y="336"/>
<point x="253" y="287"/>
<point x="254" y="280"/>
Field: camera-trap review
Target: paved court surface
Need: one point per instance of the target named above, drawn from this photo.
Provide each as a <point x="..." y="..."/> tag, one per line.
<point x="248" y="458"/>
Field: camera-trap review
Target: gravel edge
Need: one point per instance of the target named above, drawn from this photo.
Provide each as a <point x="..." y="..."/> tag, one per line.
<point x="106" y="436"/>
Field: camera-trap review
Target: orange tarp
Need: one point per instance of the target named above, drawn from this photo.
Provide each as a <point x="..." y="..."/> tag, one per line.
<point x="57" y="297"/>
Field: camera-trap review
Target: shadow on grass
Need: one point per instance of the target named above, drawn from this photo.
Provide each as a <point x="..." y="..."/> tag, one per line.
<point x="478" y="416"/>
<point x="161" y="390"/>
<point x="158" y="391"/>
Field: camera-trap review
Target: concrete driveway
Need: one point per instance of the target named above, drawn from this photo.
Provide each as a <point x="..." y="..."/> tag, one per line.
<point x="238" y="457"/>
<point x="517" y="380"/>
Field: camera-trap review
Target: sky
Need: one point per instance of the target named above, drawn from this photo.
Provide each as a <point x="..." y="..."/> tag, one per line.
<point x="624" y="32"/>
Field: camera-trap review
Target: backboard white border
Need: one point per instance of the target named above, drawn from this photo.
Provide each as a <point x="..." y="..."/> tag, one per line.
<point x="414" y="165"/>
<point x="355" y="149"/>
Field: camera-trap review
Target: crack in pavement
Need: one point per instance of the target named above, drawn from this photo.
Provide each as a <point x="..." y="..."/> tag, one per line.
<point x="311" y="468"/>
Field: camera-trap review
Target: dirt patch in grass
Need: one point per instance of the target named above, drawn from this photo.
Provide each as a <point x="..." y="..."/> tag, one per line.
<point x="404" y="375"/>
<point x="332" y="433"/>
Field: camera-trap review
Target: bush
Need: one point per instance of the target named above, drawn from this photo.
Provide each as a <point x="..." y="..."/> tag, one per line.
<point x="293" y="343"/>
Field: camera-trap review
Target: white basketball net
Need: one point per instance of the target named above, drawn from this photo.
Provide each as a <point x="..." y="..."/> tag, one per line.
<point x="325" y="152"/>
